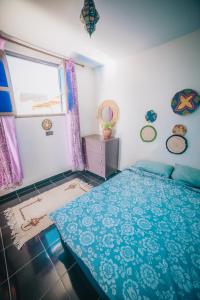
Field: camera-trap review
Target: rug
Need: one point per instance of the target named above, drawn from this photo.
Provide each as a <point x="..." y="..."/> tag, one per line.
<point x="30" y="217"/>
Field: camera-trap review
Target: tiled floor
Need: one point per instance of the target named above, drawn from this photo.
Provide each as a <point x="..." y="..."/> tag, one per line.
<point x="41" y="270"/>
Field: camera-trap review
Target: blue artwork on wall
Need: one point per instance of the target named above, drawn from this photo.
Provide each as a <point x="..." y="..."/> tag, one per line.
<point x="151" y="116"/>
<point x="185" y="102"/>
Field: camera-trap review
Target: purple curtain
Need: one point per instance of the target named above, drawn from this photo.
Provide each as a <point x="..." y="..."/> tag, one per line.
<point x="76" y="155"/>
<point x="10" y="165"/>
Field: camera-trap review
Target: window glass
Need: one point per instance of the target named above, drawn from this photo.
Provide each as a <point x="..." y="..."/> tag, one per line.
<point x="36" y="87"/>
<point x="3" y="80"/>
<point x="5" y="102"/>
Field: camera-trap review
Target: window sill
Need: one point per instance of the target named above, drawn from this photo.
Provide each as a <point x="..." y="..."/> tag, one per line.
<point x="40" y="115"/>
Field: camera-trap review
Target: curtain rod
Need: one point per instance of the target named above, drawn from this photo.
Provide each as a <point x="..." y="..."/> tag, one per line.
<point x="22" y="43"/>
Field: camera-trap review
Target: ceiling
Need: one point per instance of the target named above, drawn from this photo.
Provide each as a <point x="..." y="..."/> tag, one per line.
<point x="126" y="27"/>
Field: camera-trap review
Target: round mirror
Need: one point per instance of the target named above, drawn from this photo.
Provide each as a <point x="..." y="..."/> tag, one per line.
<point x="108" y="112"/>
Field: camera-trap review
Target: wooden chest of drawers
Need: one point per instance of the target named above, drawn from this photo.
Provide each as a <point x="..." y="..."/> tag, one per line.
<point x="101" y="156"/>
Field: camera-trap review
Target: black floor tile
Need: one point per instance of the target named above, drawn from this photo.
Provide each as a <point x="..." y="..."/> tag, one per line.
<point x="7" y="237"/>
<point x="3" y="274"/>
<point x="8" y="197"/>
<point x="61" y="181"/>
<point x="26" y="190"/>
<point x="42" y="183"/>
<point x="4" y="291"/>
<point x="30" y="195"/>
<point x="57" y="292"/>
<point x="61" y="259"/>
<point x="3" y="220"/>
<point x="94" y="184"/>
<point x="9" y="203"/>
<point x="85" y="178"/>
<point x="92" y="176"/>
<point x="45" y="188"/>
<point x="49" y="236"/>
<point x="34" y="280"/>
<point x="76" y="280"/>
<point x="71" y="177"/>
<point x="36" y="268"/>
<point x="16" y="259"/>
<point x="69" y="287"/>
<point x="67" y="173"/>
<point x="1" y="242"/>
<point x="57" y="178"/>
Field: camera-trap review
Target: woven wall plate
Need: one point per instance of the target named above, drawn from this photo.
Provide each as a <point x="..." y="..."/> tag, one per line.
<point x="151" y="116"/>
<point x="179" y="129"/>
<point x="176" y="144"/>
<point x="46" y="124"/>
<point x="185" y="102"/>
<point x="148" y="133"/>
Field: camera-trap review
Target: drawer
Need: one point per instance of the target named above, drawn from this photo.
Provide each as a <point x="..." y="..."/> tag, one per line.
<point x="95" y="163"/>
<point x="95" y="146"/>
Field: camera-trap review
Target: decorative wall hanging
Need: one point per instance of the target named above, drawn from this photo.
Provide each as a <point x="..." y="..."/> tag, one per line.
<point x="151" y="116"/>
<point x="148" y="133"/>
<point x="176" y="144"/>
<point x="185" y="102"/>
<point x="89" y="16"/>
<point x="108" y="112"/>
<point x="46" y="124"/>
<point x="179" y="129"/>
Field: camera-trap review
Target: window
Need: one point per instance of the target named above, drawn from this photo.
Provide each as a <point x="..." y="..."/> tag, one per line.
<point x="6" y="105"/>
<point x="36" y="87"/>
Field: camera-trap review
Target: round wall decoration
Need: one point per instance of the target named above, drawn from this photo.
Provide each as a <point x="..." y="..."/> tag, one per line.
<point x="179" y="129"/>
<point x="185" y="102"/>
<point x="108" y="111"/>
<point x="151" y="116"/>
<point x="46" y="124"/>
<point x="176" y="144"/>
<point x="148" y="133"/>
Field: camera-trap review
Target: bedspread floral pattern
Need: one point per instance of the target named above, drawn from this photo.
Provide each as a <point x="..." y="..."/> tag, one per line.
<point x="139" y="235"/>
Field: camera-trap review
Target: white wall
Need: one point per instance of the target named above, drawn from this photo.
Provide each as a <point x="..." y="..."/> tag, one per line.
<point x="42" y="156"/>
<point x="149" y="81"/>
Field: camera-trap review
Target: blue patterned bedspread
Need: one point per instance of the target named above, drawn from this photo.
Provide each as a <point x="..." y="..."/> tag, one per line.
<point x="139" y="235"/>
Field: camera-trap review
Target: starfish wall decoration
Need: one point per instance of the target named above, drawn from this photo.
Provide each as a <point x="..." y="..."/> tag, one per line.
<point x="185" y="102"/>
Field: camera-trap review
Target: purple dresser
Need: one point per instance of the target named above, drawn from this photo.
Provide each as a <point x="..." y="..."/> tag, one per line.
<point x="101" y="156"/>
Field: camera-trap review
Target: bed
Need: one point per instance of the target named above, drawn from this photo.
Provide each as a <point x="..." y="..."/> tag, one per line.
<point x="136" y="236"/>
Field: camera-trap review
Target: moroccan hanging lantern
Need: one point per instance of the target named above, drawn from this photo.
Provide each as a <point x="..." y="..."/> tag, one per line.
<point x="89" y="16"/>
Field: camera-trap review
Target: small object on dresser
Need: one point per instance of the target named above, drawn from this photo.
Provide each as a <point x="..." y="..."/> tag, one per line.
<point x="101" y="156"/>
<point x="107" y="130"/>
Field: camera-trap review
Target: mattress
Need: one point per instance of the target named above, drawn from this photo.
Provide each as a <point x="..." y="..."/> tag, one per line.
<point x="138" y="236"/>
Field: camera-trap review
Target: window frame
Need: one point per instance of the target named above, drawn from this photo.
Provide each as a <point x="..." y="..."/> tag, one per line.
<point x="41" y="61"/>
<point x="9" y="88"/>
